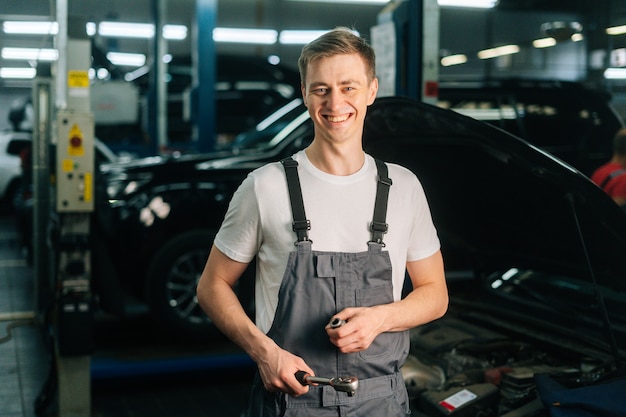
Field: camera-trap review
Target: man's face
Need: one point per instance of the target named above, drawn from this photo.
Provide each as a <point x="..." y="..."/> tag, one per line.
<point x="337" y="92"/>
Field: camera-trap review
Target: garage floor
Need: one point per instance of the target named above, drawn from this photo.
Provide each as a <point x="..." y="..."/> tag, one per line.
<point x="135" y="370"/>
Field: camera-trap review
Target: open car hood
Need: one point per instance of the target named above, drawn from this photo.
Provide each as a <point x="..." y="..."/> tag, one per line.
<point x="496" y="200"/>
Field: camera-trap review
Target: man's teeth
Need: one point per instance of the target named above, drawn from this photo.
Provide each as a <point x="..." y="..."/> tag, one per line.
<point x="337" y="119"/>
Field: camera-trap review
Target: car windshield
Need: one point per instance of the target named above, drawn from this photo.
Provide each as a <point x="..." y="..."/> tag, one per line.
<point x="260" y="137"/>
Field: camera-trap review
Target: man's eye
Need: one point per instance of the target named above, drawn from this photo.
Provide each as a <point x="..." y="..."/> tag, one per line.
<point x="320" y="90"/>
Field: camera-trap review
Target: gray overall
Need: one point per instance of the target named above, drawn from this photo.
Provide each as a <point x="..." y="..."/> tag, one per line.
<point x="317" y="285"/>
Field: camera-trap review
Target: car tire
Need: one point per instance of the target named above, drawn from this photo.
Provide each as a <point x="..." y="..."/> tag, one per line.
<point x="172" y="277"/>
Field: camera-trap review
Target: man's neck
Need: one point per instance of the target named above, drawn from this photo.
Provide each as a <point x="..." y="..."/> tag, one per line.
<point x="335" y="161"/>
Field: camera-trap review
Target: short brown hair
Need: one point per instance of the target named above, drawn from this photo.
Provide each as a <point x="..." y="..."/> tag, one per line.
<point x="340" y="40"/>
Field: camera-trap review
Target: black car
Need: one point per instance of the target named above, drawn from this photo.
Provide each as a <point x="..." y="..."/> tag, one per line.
<point x="533" y="253"/>
<point x="573" y="122"/>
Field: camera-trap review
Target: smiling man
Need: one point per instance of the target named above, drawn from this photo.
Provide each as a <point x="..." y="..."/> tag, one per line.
<point x="358" y="225"/>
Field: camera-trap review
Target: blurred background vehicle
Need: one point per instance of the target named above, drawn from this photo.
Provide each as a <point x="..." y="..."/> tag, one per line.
<point x="572" y="122"/>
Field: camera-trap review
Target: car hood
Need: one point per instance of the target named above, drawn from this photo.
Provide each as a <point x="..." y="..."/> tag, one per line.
<point x="496" y="200"/>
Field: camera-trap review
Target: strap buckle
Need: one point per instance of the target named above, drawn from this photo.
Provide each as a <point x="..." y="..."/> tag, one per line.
<point x="301" y="225"/>
<point x="379" y="227"/>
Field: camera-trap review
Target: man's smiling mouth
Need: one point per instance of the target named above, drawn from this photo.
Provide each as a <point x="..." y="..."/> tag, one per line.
<point x="338" y="119"/>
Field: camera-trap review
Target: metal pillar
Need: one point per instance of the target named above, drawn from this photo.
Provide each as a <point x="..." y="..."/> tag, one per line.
<point x="73" y="197"/>
<point x="204" y="76"/>
<point x="42" y="93"/>
<point x="157" y="104"/>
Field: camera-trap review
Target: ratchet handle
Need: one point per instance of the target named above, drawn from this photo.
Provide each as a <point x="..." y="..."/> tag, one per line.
<point x="301" y="376"/>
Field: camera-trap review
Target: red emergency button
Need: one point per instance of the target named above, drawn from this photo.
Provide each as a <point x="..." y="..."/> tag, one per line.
<point x="76" y="141"/>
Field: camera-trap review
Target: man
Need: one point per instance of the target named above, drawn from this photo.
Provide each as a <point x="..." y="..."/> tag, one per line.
<point x="611" y="177"/>
<point x="343" y="266"/>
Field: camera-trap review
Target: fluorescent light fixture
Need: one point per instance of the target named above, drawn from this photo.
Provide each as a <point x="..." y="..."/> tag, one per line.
<point x="616" y="30"/>
<point x="21" y="73"/>
<point x="30" y="54"/>
<point x="481" y="4"/>
<point x="450" y="60"/>
<point x="30" y="28"/>
<point x="126" y="30"/>
<point x="499" y="51"/>
<point x="544" y="42"/>
<point x="175" y="32"/>
<point x="615" y="73"/>
<point x="123" y="59"/>
<point x="91" y="28"/>
<point x="577" y="37"/>
<point x="249" y="36"/>
<point x="107" y="29"/>
<point x="370" y="2"/>
<point x="133" y="75"/>
<point x="299" y="37"/>
<point x="140" y="30"/>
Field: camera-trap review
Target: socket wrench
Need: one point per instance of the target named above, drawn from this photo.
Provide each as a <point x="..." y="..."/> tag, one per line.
<point x="348" y="384"/>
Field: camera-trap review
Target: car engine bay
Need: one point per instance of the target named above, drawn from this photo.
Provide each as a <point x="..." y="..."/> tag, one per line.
<point x="457" y="368"/>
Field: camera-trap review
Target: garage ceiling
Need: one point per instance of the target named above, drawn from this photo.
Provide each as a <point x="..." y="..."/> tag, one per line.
<point x="275" y="14"/>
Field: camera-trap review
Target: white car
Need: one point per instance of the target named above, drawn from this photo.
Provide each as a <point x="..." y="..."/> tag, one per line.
<point x="10" y="164"/>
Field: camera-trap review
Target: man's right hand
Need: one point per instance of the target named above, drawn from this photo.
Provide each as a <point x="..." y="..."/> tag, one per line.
<point x="278" y="371"/>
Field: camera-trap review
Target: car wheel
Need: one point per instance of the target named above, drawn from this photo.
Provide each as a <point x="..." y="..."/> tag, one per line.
<point x="171" y="284"/>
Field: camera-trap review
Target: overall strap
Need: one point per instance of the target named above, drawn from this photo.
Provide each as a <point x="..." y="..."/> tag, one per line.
<point x="612" y="175"/>
<point x="379" y="222"/>
<point x="300" y="223"/>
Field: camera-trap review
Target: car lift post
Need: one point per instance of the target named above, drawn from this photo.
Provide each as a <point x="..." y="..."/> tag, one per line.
<point x="406" y="41"/>
<point x="74" y="174"/>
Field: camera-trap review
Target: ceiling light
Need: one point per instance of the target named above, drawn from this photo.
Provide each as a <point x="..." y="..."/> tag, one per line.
<point x="499" y="51"/>
<point x="616" y="30"/>
<point x="615" y="73"/>
<point x="577" y="37"/>
<point x="371" y="2"/>
<point x="302" y="37"/>
<point x="92" y="28"/>
<point x="139" y="72"/>
<point x="250" y="36"/>
<point x="481" y="4"/>
<point x="175" y="32"/>
<point x="30" y="54"/>
<point x="126" y="30"/>
<point x="124" y="59"/>
<point x="544" y="42"/>
<point x="22" y="73"/>
<point x="450" y="60"/>
<point x="30" y="28"/>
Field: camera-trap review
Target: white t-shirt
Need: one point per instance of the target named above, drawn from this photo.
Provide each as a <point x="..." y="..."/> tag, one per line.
<point x="340" y="209"/>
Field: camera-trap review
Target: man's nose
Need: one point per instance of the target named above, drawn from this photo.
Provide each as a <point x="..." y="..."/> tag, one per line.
<point x="334" y="99"/>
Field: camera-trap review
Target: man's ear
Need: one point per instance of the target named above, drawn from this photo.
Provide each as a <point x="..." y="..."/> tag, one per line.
<point x="373" y="91"/>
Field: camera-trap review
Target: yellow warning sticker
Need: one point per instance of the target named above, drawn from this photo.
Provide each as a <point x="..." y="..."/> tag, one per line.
<point x="88" y="195"/>
<point x="67" y="165"/>
<point x="77" y="79"/>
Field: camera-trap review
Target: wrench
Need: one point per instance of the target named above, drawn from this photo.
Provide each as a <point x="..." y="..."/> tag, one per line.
<point x="347" y="384"/>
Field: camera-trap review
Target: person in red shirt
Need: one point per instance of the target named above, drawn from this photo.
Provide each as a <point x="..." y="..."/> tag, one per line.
<point x="611" y="177"/>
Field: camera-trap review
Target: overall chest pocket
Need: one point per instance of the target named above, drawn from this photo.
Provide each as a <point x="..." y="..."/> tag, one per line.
<point x="368" y="297"/>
